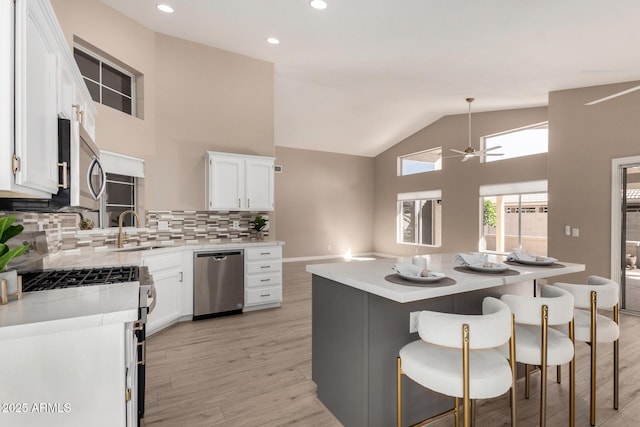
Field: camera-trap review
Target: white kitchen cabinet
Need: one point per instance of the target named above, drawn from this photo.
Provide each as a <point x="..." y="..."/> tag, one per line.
<point x="186" y="288"/>
<point x="166" y="270"/>
<point x="236" y="182"/>
<point x="36" y="69"/>
<point x="263" y="277"/>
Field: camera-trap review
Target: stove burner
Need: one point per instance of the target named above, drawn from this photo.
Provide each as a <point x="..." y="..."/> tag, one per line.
<point x="41" y="280"/>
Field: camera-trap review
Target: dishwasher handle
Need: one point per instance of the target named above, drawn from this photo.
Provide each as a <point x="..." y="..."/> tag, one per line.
<point x="218" y="256"/>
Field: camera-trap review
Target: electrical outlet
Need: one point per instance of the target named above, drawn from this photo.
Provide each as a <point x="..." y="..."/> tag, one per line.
<point x="163" y="225"/>
<point x="575" y="232"/>
<point x="413" y="321"/>
<point x="236" y="224"/>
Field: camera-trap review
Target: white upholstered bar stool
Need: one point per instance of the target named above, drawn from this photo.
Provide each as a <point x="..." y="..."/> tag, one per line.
<point x="591" y="327"/>
<point x="457" y="356"/>
<point x="537" y="344"/>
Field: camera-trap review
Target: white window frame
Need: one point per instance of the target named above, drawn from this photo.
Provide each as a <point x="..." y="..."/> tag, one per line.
<point x="416" y="197"/>
<point x="437" y="163"/>
<point x="508" y="189"/>
<point x="121" y="164"/>
<point x="487" y="159"/>
<point x="103" y="60"/>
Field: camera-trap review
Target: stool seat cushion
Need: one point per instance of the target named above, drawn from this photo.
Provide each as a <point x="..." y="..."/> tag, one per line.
<point x="528" y="340"/>
<point x="606" y="329"/>
<point x="440" y="369"/>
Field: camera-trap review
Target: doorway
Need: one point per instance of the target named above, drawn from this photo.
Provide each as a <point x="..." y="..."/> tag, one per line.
<point x="626" y="248"/>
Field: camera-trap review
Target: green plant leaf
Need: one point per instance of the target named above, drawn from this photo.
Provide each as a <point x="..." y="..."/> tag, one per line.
<point x="11" y="231"/>
<point x="4" y="259"/>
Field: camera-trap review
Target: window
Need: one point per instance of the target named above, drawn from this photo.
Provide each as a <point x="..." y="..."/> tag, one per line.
<point x="108" y="83"/>
<point x="514" y="216"/>
<point x="125" y="177"/>
<point x="420" y="218"/>
<point x="120" y="195"/>
<point x="424" y="161"/>
<point x="519" y="143"/>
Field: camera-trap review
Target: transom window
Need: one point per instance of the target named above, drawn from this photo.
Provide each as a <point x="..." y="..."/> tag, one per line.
<point x="108" y="83"/>
<point x="423" y="161"/>
<point x="420" y="218"/>
<point x="518" y="143"/>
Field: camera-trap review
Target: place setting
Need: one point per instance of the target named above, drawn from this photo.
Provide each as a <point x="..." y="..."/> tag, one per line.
<point x="480" y="264"/>
<point x="520" y="257"/>
<point x="417" y="274"/>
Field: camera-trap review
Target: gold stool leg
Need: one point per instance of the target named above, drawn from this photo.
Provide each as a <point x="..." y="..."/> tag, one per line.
<point x="572" y="378"/>
<point x="399" y="391"/>
<point x="559" y="374"/>
<point x="543" y="366"/>
<point x="616" y="359"/>
<point x="594" y="313"/>
<point x="466" y="402"/>
<point x="456" y="415"/>
<point x="512" y="362"/>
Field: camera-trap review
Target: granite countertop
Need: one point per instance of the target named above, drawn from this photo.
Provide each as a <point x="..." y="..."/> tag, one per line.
<point x="369" y="276"/>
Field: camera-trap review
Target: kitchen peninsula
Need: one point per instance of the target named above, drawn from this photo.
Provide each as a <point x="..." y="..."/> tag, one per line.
<point x="360" y="320"/>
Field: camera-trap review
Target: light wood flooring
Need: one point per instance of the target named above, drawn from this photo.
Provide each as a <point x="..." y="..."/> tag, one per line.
<point x="254" y="369"/>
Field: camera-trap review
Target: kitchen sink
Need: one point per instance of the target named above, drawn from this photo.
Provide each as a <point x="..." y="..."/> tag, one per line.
<point x="136" y="249"/>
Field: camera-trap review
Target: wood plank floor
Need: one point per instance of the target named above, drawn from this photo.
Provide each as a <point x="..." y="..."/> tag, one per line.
<point x="254" y="369"/>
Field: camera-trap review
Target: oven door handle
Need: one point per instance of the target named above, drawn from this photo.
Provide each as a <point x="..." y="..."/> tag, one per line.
<point x="154" y="295"/>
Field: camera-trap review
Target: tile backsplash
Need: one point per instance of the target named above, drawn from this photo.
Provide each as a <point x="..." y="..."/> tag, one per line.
<point x="62" y="230"/>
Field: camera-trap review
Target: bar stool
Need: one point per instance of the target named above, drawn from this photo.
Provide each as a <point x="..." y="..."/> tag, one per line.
<point x="537" y="344"/>
<point x="457" y="356"/>
<point x="592" y="328"/>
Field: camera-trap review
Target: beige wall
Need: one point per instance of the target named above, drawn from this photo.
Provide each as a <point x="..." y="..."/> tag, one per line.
<point x="459" y="182"/>
<point x="207" y="99"/>
<point x="196" y="98"/>
<point x="582" y="142"/>
<point x="134" y="45"/>
<point x="323" y="199"/>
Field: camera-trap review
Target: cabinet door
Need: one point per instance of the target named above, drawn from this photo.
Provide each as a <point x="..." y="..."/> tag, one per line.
<point x="167" y="308"/>
<point x="226" y="183"/>
<point x="36" y="123"/>
<point x="65" y="89"/>
<point x="259" y="184"/>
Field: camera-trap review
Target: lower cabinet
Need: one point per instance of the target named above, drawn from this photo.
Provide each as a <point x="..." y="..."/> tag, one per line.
<point x="168" y="276"/>
<point x="262" y="277"/>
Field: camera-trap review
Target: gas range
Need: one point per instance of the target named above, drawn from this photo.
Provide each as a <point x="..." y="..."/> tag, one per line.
<point x="40" y="280"/>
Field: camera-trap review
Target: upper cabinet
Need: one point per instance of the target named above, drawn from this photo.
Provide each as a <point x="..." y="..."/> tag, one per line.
<point x="236" y="182"/>
<point x="39" y="82"/>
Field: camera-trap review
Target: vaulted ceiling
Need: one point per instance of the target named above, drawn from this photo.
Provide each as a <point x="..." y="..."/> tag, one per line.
<point x="360" y="76"/>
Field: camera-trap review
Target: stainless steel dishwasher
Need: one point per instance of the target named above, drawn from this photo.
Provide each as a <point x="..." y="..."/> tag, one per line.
<point x="218" y="286"/>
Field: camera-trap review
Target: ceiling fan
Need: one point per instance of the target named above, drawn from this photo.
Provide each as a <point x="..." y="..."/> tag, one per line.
<point x="470" y="152"/>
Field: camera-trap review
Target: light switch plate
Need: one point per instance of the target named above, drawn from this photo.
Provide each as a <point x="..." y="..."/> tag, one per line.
<point x="576" y="232"/>
<point x="163" y="225"/>
<point x="236" y="224"/>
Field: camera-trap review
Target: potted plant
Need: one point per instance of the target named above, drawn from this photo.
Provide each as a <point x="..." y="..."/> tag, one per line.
<point x="259" y="223"/>
<point x="7" y="231"/>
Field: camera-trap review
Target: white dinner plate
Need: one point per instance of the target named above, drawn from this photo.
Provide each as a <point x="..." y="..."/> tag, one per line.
<point x="491" y="267"/>
<point x="541" y="260"/>
<point x="433" y="276"/>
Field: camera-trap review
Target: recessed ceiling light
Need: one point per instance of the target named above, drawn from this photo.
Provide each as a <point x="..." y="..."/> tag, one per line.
<point x="273" y="40"/>
<point x="165" y="8"/>
<point x="318" y="4"/>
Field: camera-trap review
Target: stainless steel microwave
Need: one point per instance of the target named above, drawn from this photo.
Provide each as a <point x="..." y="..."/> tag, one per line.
<point x="82" y="177"/>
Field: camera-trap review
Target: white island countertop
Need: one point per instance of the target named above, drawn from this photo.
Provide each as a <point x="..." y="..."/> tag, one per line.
<point x="369" y="276"/>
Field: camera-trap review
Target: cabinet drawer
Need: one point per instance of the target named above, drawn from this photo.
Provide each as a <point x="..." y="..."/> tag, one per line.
<point x="263" y="295"/>
<point x="163" y="262"/>
<point x="263" y="252"/>
<point x="263" y="267"/>
<point x="263" y="280"/>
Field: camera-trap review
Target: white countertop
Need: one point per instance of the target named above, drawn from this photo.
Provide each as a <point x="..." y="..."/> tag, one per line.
<point x="45" y="312"/>
<point x="369" y="276"/>
<point x="55" y="310"/>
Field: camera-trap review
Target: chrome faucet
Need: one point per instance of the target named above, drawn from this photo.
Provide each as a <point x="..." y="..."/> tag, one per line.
<point x="120" y="218"/>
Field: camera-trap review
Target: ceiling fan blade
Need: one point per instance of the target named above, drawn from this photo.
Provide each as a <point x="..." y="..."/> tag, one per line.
<point x="615" y="95"/>
<point x="492" y="148"/>
<point x="467" y="157"/>
<point x="492" y="154"/>
<point x="458" y="151"/>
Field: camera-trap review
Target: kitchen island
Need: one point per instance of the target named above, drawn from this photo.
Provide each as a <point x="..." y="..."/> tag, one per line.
<point x="360" y="320"/>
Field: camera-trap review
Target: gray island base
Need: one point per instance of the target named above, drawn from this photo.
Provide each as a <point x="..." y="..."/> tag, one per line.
<point x="360" y="321"/>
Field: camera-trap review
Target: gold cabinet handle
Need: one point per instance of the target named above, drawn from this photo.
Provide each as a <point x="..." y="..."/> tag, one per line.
<point x="64" y="167"/>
